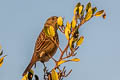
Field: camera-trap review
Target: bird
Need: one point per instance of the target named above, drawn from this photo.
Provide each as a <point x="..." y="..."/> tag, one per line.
<point x="45" y="46"/>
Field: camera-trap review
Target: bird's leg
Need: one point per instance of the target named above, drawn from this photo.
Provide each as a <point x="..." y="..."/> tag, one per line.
<point x="44" y="70"/>
<point x="44" y="67"/>
<point x="35" y="65"/>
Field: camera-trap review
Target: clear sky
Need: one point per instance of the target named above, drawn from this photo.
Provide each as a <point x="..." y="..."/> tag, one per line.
<point x="21" y="22"/>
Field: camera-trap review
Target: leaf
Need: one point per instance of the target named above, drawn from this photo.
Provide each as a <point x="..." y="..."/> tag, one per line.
<point x="1" y="60"/>
<point x="51" y="31"/>
<point x="80" y="9"/>
<point x="104" y="16"/>
<point x="73" y="23"/>
<point x="1" y="52"/>
<point x="61" y="62"/>
<point x="75" y="59"/>
<point x="25" y="77"/>
<point x="67" y="30"/>
<point x="60" y="21"/>
<point x="80" y="41"/>
<point x="88" y="6"/>
<point x="88" y="14"/>
<point x="54" y="75"/>
<point x="99" y="13"/>
<point x="94" y="10"/>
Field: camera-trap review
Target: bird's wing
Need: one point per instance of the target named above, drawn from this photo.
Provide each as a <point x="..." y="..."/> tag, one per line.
<point x="42" y="42"/>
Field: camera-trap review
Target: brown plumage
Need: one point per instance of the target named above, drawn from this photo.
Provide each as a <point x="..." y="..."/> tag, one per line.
<point x="45" y="47"/>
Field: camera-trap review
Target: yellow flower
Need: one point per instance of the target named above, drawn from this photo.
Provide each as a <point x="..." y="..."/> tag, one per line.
<point x="88" y="14"/>
<point x="80" y="41"/>
<point x="80" y="9"/>
<point x="99" y="13"/>
<point x="73" y="23"/>
<point x="67" y="30"/>
<point x="60" y="21"/>
<point x="1" y="60"/>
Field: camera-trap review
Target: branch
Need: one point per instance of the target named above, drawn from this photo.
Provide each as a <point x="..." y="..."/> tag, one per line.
<point x="62" y="53"/>
<point x="61" y="30"/>
<point x="57" y="45"/>
<point x="70" y="54"/>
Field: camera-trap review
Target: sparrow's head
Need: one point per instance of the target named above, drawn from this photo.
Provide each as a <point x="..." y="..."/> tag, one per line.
<point x="52" y="21"/>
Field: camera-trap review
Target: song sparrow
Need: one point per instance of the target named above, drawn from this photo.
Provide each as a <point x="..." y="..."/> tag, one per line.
<point x="45" y="47"/>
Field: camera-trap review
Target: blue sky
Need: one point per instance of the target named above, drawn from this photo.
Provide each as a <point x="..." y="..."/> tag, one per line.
<point x="21" y="21"/>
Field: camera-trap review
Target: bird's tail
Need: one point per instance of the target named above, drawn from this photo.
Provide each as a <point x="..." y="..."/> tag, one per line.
<point x="28" y="67"/>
